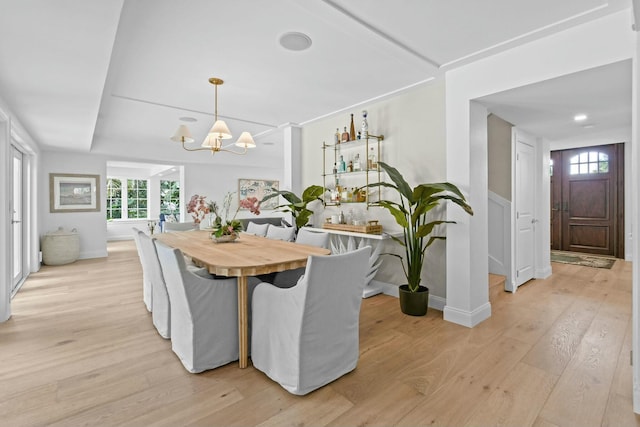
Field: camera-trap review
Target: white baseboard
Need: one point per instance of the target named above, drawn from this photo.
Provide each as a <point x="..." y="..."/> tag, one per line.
<point x="93" y="254"/>
<point x="389" y="289"/>
<point x="119" y="238"/>
<point x="467" y="318"/>
<point x="374" y="287"/>
<point x="437" y="303"/>
<point x="543" y="273"/>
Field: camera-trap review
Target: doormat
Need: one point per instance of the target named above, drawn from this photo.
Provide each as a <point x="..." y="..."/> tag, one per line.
<point x="582" y="259"/>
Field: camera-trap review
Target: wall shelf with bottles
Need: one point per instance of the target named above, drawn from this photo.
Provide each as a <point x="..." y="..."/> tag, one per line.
<point x="354" y="164"/>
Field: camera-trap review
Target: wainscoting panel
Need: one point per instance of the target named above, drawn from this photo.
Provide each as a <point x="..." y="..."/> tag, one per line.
<point x="499" y="236"/>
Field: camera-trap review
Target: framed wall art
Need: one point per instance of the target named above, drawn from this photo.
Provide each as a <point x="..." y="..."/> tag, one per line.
<point x="258" y="188"/>
<point x="74" y="192"/>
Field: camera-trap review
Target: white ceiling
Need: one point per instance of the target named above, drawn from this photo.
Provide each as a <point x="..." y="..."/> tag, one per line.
<point x="115" y="76"/>
<point x="548" y="108"/>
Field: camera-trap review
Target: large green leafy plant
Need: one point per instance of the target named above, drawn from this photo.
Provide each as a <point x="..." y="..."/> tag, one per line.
<point x="411" y="214"/>
<point x="298" y="206"/>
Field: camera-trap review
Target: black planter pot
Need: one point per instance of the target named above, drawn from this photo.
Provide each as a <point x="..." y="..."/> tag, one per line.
<point x="414" y="303"/>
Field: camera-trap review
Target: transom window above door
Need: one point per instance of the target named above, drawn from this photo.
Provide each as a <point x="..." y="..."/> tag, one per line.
<point x="589" y="162"/>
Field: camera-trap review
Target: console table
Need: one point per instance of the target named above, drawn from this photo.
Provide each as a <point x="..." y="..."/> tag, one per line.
<point x="348" y="240"/>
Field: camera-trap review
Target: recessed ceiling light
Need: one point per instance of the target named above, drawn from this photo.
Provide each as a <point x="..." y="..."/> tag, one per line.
<point x="188" y="119"/>
<point x="580" y="117"/>
<point x="295" y="41"/>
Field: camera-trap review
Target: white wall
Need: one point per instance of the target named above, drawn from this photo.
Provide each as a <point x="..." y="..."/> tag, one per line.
<point x="91" y="226"/>
<point x="592" y="44"/>
<point x="413" y="125"/>
<point x="216" y="182"/>
<point x="635" y="199"/>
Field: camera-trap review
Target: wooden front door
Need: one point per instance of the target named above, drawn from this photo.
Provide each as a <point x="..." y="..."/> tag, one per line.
<point x="587" y="200"/>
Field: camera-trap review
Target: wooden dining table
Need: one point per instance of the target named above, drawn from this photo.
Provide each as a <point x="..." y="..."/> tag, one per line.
<point x="249" y="255"/>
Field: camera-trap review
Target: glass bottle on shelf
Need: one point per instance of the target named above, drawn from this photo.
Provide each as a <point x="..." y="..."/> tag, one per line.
<point x="356" y="163"/>
<point x="352" y="130"/>
<point x="350" y="166"/>
<point x="372" y="162"/>
<point x="364" y="130"/>
<point x="336" y="137"/>
<point x="345" y="135"/>
<point x="342" y="167"/>
<point x="335" y="168"/>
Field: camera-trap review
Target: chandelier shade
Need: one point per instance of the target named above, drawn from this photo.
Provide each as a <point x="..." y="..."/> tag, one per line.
<point x="183" y="134"/>
<point x="219" y="132"/>
<point x="245" y="141"/>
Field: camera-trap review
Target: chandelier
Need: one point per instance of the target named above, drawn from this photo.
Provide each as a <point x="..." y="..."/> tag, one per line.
<point x="218" y="133"/>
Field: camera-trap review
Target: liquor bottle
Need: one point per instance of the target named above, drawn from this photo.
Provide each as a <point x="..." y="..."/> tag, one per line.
<point x="342" y="167"/>
<point x="350" y="166"/>
<point x="356" y="163"/>
<point x="336" y="137"/>
<point x="345" y="135"/>
<point x="372" y="161"/>
<point x="364" y="130"/>
<point x="341" y="218"/>
<point x="352" y="130"/>
<point x="335" y="168"/>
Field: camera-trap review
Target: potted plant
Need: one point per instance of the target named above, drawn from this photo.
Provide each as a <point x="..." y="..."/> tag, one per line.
<point x="418" y="233"/>
<point x="297" y="206"/>
<point x="225" y="229"/>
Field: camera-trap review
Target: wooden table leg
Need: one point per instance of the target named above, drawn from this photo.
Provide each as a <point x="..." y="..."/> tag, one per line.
<point x="243" y="322"/>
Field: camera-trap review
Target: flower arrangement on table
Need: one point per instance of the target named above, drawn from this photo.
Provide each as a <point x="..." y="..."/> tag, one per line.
<point x="198" y="208"/>
<point x="231" y="227"/>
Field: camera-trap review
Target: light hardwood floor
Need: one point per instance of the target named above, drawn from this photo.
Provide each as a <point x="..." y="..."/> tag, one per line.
<point x="80" y="349"/>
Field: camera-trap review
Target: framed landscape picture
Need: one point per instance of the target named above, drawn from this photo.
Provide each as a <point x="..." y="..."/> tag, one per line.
<point x="74" y="192"/>
<point x="258" y="188"/>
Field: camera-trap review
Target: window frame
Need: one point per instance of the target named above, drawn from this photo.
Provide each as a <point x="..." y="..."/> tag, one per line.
<point x="125" y="198"/>
<point x="589" y="162"/>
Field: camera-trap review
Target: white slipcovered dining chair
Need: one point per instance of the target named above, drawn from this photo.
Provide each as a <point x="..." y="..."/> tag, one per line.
<point x="204" y="314"/>
<point x="288" y="234"/>
<point x="307" y="336"/>
<point x="146" y="283"/>
<point x="160" y="307"/>
<point x="257" y="229"/>
<point x="313" y="238"/>
<point x="288" y="278"/>
<point x="180" y="226"/>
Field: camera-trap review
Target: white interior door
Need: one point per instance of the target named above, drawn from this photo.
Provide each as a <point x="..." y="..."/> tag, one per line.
<point x="17" y="225"/>
<point x="525" y="200"/>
